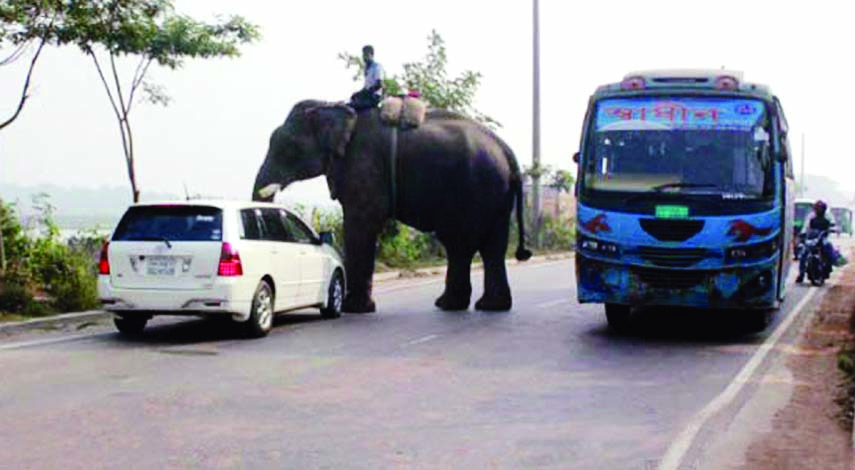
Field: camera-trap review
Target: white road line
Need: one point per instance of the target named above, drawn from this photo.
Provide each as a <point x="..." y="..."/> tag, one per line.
<point x="43" y="342"/>
<point x="553" y="303"/>
<point x="424" y="339"/>
<point x="673" y="458"/>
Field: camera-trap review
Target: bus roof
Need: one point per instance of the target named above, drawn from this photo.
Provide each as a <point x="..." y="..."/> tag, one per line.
<point x="684" y="80"/>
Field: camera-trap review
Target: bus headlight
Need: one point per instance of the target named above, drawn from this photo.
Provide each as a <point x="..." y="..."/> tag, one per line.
<point x="753" y="252"/>
<point x="598" y="247"/>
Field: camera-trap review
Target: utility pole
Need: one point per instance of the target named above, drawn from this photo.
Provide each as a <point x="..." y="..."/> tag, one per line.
<point x="802" y="186"/>
<point x="2" y="251"/>
<point x="535" y="135"/>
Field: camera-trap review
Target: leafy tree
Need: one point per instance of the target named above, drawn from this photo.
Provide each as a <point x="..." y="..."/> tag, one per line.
<point x="561" y="180"/>
<point x="151" y="32"/>
<point x="430" y="78"/>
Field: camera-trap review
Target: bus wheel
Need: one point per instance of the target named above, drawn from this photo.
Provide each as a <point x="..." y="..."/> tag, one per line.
<point x="618" y="316"/>
<point x="756" y="321"/>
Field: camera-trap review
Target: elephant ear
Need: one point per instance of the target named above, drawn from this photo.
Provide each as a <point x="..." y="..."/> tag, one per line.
<point x="333" y="126"/>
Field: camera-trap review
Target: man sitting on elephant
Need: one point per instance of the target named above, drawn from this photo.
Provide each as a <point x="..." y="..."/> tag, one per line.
<point x="371" y="93"/>
<point x="450" y="175"/>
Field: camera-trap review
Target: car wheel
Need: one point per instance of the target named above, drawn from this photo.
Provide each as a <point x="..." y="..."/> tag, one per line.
<point x="130" y="325"/>
<point x="260" y="320"/>
<point x="618" y="316"/>
<point x="335" y="297"/>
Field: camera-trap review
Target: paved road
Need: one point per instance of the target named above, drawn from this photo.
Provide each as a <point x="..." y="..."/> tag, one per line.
<point x="544" y="386"/>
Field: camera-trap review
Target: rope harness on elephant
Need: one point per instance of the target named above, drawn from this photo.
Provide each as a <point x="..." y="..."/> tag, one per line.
<point x="393" y="160"/>
<point x="399" y="113"/>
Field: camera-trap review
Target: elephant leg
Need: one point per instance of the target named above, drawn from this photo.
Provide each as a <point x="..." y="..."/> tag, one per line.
<point x="497" y="292"/>
<point x="458" y="287"/>
<point x="361" y="249"/>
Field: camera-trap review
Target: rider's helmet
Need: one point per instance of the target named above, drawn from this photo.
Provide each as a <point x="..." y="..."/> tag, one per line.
<point x="819" y="207"/>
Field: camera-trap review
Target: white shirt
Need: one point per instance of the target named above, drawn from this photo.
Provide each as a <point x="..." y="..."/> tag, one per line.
<point x="373" y="73"/>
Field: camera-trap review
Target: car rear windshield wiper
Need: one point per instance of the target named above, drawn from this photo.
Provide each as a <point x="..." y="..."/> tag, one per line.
<point x="157" y="239"/>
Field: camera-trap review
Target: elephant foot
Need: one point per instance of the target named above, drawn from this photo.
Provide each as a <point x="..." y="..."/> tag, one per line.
<point x="452" y="303"/>
<point x="493" y="304"/>
<point x="353" y="305"/>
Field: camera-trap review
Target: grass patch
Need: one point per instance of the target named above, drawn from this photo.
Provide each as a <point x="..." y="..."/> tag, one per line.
<point x="12" y="317"/>
<point x="846" y="394"/>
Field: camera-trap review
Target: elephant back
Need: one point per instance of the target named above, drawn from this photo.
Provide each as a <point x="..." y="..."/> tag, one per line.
<point x="405" y="112"/>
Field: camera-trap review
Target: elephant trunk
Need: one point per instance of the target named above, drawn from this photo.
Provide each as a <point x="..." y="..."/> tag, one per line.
<point x="267" y="184"/>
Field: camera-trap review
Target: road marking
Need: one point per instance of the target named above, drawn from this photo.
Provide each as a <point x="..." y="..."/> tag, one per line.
<point x="553" y="303"/>
<point x="43" y="342"/>
<point x="673" y="458"/>
<point x="424" y="339"/>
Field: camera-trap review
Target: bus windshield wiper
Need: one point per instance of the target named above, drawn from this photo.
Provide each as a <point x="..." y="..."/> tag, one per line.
<point x="662" y="187"/>
<point x="665" y="186"/>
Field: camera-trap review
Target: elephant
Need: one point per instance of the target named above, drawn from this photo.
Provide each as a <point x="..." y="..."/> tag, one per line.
<point x="451" y="176"/>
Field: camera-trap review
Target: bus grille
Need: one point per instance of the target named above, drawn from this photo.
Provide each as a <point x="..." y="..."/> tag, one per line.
<point x="672" y="257"/>
<point x="669" y="230"/>
<point x="670" y="279"/>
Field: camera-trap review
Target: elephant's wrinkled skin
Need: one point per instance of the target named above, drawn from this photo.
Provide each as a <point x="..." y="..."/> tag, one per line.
<point x="454" y="178"/>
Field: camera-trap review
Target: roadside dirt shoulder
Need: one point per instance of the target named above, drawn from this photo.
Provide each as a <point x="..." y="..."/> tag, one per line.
<point x="813" y="430"/>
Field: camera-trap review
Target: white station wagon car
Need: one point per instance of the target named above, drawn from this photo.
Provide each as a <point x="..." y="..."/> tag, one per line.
<point x="245" y="260"/>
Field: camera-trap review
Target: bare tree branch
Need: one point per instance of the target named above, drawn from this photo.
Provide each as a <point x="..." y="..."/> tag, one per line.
<point x="125" y="127"/>
<point x="138" y="80"/>
<point x="24" y="95"/>
<point x="16" y="54"/>
<point x="118" y="86"/>
<point x="104" y="81"/>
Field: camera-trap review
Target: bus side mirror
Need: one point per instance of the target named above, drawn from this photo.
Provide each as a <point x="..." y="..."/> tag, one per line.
<point x="576" y="157"/>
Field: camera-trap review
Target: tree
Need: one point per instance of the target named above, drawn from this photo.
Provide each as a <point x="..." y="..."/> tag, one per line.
<point x="430" y="78"/>
<point x="561" y="181"/>
<point x="150" y="32"/>
<point x="24" y="24"/>
<point x="557" y="179"/>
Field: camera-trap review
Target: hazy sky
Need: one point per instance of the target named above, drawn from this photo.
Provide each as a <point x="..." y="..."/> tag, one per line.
<point x="214" y="134"/>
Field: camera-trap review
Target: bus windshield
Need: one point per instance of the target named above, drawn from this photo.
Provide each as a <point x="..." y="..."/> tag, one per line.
<point x="697" y="145"/>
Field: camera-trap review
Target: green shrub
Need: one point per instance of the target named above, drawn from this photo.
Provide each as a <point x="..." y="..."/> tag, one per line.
<point x="36" y="309"/>
<point x="401" y="246"/>
<point x="15" y="298"/>
<point x="43" y="263"/>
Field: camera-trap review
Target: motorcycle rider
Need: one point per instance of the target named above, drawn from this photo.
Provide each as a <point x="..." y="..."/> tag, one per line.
<point x="819" y="222"/>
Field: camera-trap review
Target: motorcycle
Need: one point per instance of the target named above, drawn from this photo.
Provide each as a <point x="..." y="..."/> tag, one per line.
<point x="818" y="268"/>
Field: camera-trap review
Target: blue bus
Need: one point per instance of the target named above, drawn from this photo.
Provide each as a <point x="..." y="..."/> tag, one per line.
<point x="685" y="196"/>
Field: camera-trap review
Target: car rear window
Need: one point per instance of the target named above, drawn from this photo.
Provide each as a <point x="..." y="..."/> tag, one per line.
<point x="173" y="223"/>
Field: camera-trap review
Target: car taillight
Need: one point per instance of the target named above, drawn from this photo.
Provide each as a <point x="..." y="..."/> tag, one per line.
<point x="230" y="264"/>
<point x="104" y="261"/>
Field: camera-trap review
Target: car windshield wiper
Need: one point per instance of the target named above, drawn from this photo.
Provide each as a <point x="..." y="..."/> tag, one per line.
<point x="662" y="187"/>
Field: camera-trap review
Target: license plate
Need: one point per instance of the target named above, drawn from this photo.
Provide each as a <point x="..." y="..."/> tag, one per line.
<point x="160" y="266"/>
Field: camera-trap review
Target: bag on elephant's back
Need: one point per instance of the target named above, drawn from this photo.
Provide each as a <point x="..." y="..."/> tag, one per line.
<point x="405" y="112"/>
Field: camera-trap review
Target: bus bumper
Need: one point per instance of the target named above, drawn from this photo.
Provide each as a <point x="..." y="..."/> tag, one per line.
<point x="602" y="282"/>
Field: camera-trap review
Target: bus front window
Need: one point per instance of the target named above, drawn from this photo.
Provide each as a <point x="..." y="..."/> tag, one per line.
<point x="696" y="145"/>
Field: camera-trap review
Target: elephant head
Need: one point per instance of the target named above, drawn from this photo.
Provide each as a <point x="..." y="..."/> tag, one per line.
<point x="310" y="143"/>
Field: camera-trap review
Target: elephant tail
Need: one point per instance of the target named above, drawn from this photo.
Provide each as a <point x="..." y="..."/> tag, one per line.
<point x="522" y="253"/>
